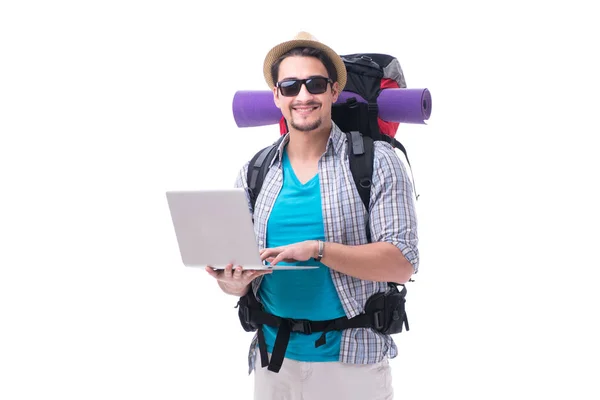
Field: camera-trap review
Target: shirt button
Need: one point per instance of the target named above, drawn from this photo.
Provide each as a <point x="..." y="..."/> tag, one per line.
<point x="279" y="178"/>
<point x="260" y="242"/>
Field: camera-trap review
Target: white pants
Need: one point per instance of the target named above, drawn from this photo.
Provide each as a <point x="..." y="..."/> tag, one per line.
<point x="323" y="381"/>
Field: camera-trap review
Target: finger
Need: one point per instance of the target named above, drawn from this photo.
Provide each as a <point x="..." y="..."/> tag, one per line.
<point x="237" y="274"/>
<point x="270" y="252"/>
<point x="269" y="256"/>
<point x="277" y="259"/>
<point x="212" y="272"/>
<point x="285" y="257"/>
<point x="228" y="271"/>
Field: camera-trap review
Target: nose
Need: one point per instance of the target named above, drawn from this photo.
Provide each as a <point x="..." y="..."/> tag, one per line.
<point x="303" y="93"/>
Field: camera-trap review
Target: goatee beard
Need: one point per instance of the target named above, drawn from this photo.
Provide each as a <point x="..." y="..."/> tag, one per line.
<point x="306" y="128"/>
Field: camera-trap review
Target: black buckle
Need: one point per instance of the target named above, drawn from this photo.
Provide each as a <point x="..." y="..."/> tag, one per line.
<point x="245" y="314"/>
<point x="351" y="102"/>
<point x="373" y="108"/>
<point x="300" y="325"/>
<point x="378" y="320"/>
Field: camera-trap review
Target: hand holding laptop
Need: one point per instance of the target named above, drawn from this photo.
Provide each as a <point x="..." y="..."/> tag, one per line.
<point x="235" y="281"/>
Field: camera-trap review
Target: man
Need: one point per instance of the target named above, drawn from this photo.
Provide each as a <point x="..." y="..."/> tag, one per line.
<point x="309" y="212"/>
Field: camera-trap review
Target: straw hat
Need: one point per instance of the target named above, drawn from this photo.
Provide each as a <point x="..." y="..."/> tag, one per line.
<point x="303" y="39"/>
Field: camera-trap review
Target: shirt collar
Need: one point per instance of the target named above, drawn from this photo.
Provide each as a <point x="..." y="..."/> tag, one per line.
<point x="335" y="142"/>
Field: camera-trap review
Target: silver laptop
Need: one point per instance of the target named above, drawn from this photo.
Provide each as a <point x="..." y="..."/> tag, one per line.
<point x="214" y="228"/>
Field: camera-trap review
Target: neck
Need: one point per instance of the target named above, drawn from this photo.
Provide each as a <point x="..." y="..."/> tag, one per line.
<point x="308" y="145"/>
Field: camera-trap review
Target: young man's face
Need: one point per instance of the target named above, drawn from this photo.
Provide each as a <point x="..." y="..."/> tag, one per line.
<point x="305" y="111"/>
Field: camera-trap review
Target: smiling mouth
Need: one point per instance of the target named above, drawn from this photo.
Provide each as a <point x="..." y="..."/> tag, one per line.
<point x="305" y="109"/>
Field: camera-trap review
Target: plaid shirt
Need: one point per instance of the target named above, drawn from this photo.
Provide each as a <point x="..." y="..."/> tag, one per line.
<point x="392" y="219"/>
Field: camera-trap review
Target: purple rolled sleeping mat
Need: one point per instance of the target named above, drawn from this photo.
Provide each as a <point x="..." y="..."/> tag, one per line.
<point x="411" y="106"/>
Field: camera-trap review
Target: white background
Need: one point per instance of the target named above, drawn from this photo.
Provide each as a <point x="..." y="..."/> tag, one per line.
<point x="106" y="105"/>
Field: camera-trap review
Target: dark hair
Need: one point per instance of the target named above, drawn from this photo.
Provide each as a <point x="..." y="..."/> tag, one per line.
<point x="305" y="52"/>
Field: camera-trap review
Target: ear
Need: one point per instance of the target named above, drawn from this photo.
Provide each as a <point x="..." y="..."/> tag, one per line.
<point x="335" y="91"/>
<point x="276" y="97"/>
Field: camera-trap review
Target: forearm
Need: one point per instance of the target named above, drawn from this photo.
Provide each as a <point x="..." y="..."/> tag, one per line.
<point x="381" y="261"/>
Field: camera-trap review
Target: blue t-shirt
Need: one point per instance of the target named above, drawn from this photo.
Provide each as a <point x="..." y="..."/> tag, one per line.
<point x="304" y="294"/>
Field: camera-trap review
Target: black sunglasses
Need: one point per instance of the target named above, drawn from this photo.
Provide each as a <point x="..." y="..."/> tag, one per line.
<point x="315" y="85"/>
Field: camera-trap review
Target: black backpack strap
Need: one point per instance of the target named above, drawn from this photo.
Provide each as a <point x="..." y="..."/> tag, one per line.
<point x="258" y="168"/>
<point x="372" y="116"/>
<point x="396" y="144"/>
<point x="360" y="156"/>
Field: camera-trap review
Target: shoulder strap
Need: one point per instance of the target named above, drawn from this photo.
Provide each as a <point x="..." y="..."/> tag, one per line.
<point x="258" y="168"/>
<point x="360" y="157"/>
<point x="352" y="115"/>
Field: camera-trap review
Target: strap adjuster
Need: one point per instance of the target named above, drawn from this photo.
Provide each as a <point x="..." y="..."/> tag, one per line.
<point x="300" y="325"/>
<point x="373" y="108"/>
<point x="378" y="320"/>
